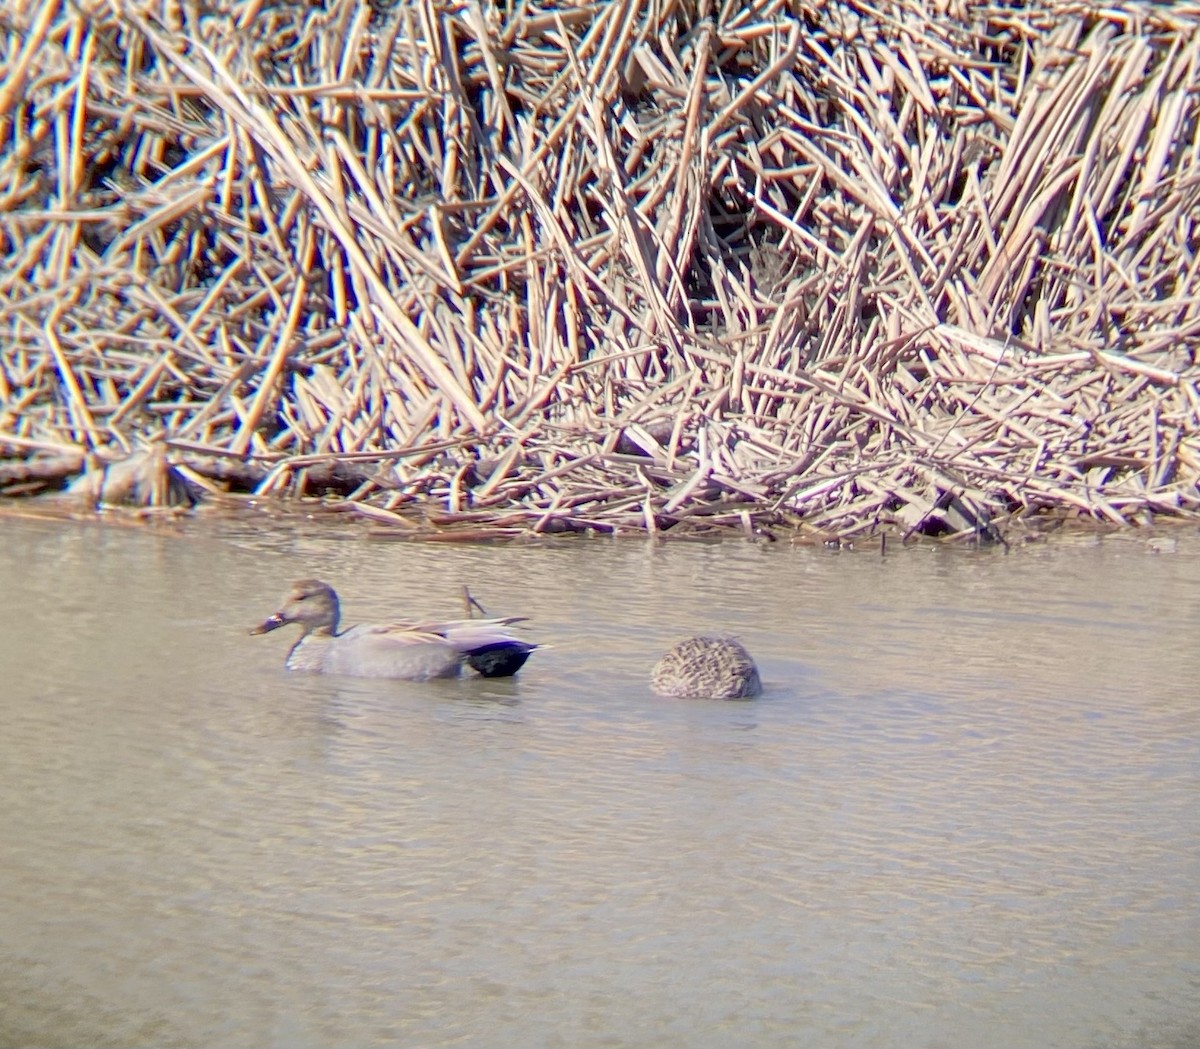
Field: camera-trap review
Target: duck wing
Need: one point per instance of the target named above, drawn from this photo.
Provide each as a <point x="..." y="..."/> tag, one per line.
<point x="397" y="650"/>
<point x="420" y="650"/>
<point x="487" y="645"/>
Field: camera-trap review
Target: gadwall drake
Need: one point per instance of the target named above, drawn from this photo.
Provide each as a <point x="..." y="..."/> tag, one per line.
<point x="413" y="651"/>
<point x="706" y="668"/>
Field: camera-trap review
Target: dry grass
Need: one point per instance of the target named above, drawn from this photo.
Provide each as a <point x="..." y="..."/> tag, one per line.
<point x="610" y="266"/>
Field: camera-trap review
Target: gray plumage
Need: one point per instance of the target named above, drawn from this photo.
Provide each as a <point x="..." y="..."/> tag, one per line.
<point x="706" y="668"/>
<point x="408" y="650"/>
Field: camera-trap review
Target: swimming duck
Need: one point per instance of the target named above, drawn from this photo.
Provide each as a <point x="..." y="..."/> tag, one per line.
<point x="706" y="668"/>
<point x="409" y="650"/>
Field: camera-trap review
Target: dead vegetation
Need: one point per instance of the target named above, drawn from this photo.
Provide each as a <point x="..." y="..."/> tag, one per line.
<point x="603" y="266"/>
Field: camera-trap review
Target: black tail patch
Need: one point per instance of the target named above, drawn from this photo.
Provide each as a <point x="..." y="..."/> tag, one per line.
<point x="499" y="659"/>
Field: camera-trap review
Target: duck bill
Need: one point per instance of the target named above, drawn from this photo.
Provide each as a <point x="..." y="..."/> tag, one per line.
<point x="271" y="623"/>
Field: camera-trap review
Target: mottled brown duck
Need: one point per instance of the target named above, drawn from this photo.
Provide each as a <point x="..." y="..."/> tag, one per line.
<point x="706" y="668"/>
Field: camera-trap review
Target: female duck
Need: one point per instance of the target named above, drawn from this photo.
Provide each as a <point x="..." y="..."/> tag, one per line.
<point x="706" y="668"/>
<point x="413" y="651"/>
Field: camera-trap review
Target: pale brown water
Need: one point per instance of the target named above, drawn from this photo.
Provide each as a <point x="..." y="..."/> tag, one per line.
<point x="966" y="812"/>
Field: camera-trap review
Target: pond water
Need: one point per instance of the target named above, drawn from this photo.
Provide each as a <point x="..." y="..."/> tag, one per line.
<point x="964" y="813"/>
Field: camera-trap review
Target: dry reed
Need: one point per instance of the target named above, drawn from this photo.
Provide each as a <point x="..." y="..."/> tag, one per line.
<point x="673" y="266"/>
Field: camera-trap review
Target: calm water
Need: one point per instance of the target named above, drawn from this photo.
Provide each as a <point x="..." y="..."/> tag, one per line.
<point x="966" y="812"/>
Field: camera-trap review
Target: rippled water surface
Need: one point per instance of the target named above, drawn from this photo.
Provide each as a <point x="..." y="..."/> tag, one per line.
<point x="965" y="813"/>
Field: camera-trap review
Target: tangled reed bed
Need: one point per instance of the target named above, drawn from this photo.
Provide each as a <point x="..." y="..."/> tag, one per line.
<point x="677" y="266"/>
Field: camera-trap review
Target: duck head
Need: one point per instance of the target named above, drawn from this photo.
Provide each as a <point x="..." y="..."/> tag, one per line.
<point x="311" y="603"/>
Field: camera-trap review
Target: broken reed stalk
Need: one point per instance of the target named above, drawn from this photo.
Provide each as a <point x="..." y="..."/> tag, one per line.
<point x="616" y="268"/>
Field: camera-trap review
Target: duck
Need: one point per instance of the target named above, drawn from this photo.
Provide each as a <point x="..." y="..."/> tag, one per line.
<point x="706" y="667"/>
<point x="406" y="650"/>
